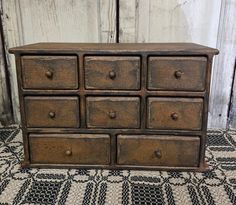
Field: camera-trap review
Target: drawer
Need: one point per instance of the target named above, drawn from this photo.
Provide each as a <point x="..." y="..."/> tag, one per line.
<point x="52" y="111"/>
<point x="112" y="72"/>
<point x="70" y="148"/>
<point x="177" y="73"/>
<point x="113" y="112"/>
<point x="158" y="150"/>
<point x="50" y="72"/>
<point x="174" y="113"/>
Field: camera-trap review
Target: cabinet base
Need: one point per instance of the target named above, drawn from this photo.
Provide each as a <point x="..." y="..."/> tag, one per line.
<point x="203" y="168"/>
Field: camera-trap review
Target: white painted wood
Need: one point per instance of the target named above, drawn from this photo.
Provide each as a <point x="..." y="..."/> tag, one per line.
<point x="232" y="114"/>
<point x="224" y="66"/>
<point x="107" y="21"/>
<point x="31" y="21"/>
<point x="127" y="21"/>
<point x="169" y="21"/>
<point x="12" y="33"/>
<point x="5" y="107"/>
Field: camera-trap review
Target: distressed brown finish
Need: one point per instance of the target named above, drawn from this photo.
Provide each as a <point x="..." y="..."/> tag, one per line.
<point x="113" y="112"/>
<point x="112" y="72"/>
<point x="117" y="92"/>
<point x="52" y="111"/>
<point x="158" y="150"/>
<point x="50" y="72"/>
<point x="175" y="113"/>
<point x="177" y="73"/>
<point x="70" y="148"/>
<point x="138" y="48"/>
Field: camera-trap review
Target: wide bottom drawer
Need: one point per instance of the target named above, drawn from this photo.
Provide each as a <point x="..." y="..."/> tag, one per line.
<point x="155" y="150"/>
<point x="70" y="149"/>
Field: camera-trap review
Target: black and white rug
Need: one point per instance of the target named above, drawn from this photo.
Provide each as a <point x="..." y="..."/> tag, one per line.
<point x="96" y="187"/>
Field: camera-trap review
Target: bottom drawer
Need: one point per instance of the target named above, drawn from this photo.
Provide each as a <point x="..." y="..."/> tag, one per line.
<point x="155" y="150"/>
<point x="70" y="148"/>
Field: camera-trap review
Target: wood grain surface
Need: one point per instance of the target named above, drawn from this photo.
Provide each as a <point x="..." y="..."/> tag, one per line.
<point x="175" y="113"/>
<point x="158" y="150"/>
<point x="70" y="148"/>
<point x="112" y="72"/>
<point x="52" y="111"/>
<point x="50" y="72"/>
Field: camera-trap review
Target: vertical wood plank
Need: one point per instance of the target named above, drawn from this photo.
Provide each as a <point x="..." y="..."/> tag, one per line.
<point x="169" y="21"/>
<point x="127" y="21"/>
<point x="13" y="36"/>
<point x="5" y="103"/>
<point x="224" y="66"/>
<point x="31" y="21"/>
<point x="107" y="12"/>
<point x="232" y="113"/>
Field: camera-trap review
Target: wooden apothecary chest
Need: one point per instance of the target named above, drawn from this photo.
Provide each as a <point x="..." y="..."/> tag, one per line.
<point x="114" y="105"/>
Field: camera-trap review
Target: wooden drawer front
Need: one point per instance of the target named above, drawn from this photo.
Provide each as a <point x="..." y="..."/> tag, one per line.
<point x="113" y="112"/>
<point x="112" y="72"/>
<point x="52" y="111"/>
<point x="175" y="113"/>
<point x="177" y="73"/>
<point x="50" y="72"/>
<point x="174" y="151"/>
<point x="70" y="148"/>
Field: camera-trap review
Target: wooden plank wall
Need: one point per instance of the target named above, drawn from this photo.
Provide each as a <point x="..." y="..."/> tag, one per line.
<point x="209" y="23"/>
<point x="223" y="73"/>
<point x="30" y="21"/>
<point x="5" y="103"/>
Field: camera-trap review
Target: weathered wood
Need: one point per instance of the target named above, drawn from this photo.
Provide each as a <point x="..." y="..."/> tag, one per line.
<point x="232" y="113"/>
<point x="169" y="21"/>
<point x="179" y="21"/>
<point x="50" y="72"/>
<point x="113" y="112"/>
<point x="158" y="150"/>
<point x="52" y="111"/>
<point x="115" y="48"/>
<point x="174" y="113"/>
<point x="224" y="67"/>
<point x="177" y="73"/>
<point x="70" y="149"/>
<point x="112" y="72"/>
<point x="5" y="103"/>
<point x="11" y="19"/>
<point x="30" y="21"/>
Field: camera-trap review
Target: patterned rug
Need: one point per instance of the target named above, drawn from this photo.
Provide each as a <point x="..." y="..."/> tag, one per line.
<point x="76" y="186"/>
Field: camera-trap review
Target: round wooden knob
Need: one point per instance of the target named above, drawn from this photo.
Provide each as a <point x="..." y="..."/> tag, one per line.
<point x="158" y="153"/>
<point x="112" y="114"/>
<point x="112" y="75"/>
<point x="178" y="74"/>
<point x="52" y="114"/>
<point x="49" y="74"/>
<point x="68" y="152"/>
<point x="174" y="116"/>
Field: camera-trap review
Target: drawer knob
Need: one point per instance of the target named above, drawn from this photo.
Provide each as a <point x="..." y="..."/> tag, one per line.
<point x="112" y="75"/>
<point x="174" y="116"/>
<point x="68" y="152"/>
<point x="178" y="74"/>
<point x="52" y="114"/>
<point x="49" y="74"/>
<point x="158" y="153"/>
<point x="112" y="114"/>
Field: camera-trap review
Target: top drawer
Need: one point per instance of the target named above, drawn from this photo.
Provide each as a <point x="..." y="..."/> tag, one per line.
<point x="177" y="73"/>
<point x="112" y="72"/>
<point x="50" y="72"/>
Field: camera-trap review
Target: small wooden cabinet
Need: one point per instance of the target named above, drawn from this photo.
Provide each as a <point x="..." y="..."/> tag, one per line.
<point x="115" y="106"/>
